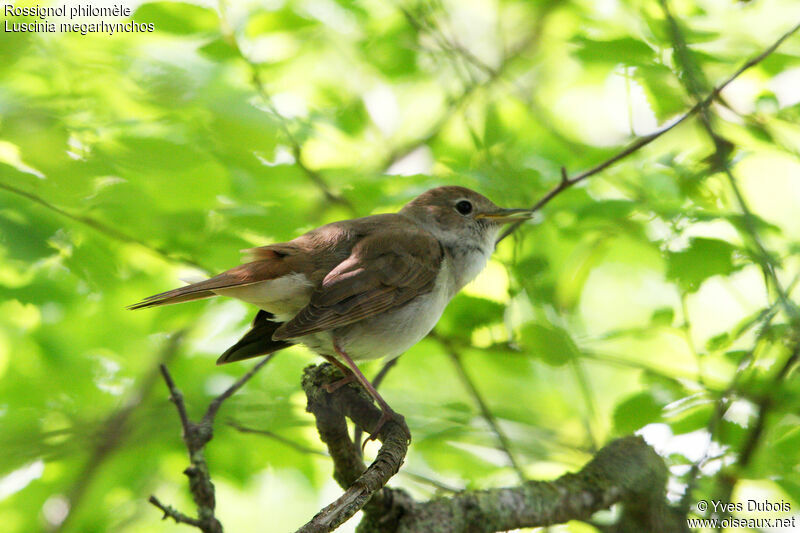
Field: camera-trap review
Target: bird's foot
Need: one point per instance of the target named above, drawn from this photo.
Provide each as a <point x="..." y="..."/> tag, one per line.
<point x="387" y="415"/>
<point x="338" y="384"/>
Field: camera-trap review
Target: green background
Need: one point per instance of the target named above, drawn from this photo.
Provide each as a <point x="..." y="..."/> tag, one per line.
<point x="637" y="300"/>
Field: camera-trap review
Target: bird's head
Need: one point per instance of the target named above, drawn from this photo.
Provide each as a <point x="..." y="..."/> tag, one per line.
<point x="459" y="215"/>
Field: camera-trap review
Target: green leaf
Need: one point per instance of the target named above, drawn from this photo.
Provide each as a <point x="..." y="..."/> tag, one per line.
<point x="219" y="49"/>
<point x="177" y="17"/>
<point x="636" y="412"/>
<point x="550" y="343"/>
<point x="692" y="418"/>
<point x="662" y="317"/>
<point x="718" y="342"/>
<point x="467" y="313"/>
<point x="351" y="117"/>
<point x="703" y="259"/>
<point x="664" y="92"/>
<point x="284" y="19"/>
<point x="625" y="50"/>
<point x="393" y="53"/>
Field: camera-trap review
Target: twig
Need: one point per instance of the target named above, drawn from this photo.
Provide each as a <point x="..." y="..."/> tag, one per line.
<point x="720" y="406"/>
<point x="567" y="182"/>
<point x="283" y="440"/>
<point x="171" y="512"/>
<point x="176" y="397"/>
<point x="315" y="176"/>
<point x="103" y="228"/>
<point x="432" y="482"/>
<point x="312" y="451"/>
<point x="458" y="101"/>
<point x="469" y="384"/>
<point x="195" y="436"/>
<point x="756" y="431"/>
<point x="721" y="156"/>
<point x="216" y="403"/>
<point x="586" y="395"/>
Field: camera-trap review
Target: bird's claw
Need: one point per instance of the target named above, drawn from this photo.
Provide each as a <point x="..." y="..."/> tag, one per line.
<point x="385" y="417"/>
<point x="338" y="384"/>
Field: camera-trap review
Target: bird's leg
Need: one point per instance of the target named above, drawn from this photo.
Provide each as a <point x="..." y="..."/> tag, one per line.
<point x="387" y="413"/>
<point x="339" y="383"/>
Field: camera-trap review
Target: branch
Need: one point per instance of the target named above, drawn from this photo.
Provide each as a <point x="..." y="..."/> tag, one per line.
<point x="625" y="471"/>
<point x="567" y="182"/>
<point x="195" y="436"/>
<point x="362" y="484"/>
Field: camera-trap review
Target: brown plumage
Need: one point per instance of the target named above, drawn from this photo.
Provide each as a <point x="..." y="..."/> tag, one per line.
<point x="362" y="288"/>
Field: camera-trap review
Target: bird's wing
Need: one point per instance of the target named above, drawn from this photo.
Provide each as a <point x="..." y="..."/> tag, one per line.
<point x="373" y="279"/>
<point x="270" y="265"/>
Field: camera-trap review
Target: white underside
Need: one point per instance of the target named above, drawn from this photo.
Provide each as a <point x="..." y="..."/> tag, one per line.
<point x="387" y="334"/>
<point x="283" y="297"/>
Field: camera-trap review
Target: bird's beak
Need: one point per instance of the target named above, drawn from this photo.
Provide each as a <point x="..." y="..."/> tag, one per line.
<point x="502" y="216"/>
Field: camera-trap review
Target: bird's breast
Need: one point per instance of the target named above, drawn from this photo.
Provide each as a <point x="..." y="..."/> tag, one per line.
<point x="392" y="332"/>
<point x="465" y="263"/>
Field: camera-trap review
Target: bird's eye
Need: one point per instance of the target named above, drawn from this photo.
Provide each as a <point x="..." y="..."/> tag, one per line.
<point x="464" y="207"/>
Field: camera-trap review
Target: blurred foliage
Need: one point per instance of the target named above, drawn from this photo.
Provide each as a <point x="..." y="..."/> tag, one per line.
<point x="638" y="300"/>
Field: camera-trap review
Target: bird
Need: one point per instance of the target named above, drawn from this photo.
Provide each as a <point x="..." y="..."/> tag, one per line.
<point x="359" y="289"/>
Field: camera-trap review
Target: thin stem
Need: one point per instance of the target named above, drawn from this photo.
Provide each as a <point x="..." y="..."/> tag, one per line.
<point x="694" y="83"/>
<point x="586" y="395"/>
<point x="171" y="512"/>
<point x="297" y="150"/>
<point x="647" y="139"/>
<point x="283" y="440"/>
<point x="215" y="404"/>
<point x="457" y="102"/>
<point x="486" y="412"/>
<point x="102" y="227"/>
<point x="312" y="451"/>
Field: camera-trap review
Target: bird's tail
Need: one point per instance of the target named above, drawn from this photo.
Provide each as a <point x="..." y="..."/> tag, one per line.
<point x="175" y="296"/>
<point x="242" y="275"/>
<point x="257" y="341"/>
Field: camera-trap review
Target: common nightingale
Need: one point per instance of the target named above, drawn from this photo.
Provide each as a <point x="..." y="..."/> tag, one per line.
<point x="359" y="289"/>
